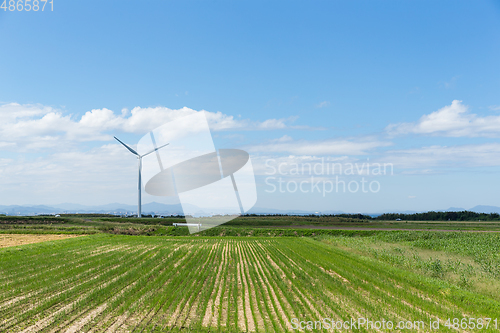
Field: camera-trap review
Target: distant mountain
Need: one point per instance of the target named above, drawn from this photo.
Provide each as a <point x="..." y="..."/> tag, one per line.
<point x="262" y="210"/>
<point x="113" y="208"/>
<point x="455" y="209"/>
<point x="159" y="208"/>
<point x="27" y="210"/>
<point x="71" y="206"/>
<point x="101" y="208"/>
<point x="476" y="209"/>
<point x="485" y="209"/>
<point x="402" y="212"/>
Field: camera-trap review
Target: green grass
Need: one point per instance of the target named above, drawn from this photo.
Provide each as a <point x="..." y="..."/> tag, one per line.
<point x="235" y="284"/>
<point x="468" y="260"/>
<point x="288" y="225"/>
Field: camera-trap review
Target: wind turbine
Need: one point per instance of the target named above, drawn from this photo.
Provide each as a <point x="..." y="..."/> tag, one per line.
<point x="139" y="157"/>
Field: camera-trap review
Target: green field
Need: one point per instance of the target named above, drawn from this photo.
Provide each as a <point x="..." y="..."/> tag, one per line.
<point x="243" y="225"/>
<point x="116" y="283"/>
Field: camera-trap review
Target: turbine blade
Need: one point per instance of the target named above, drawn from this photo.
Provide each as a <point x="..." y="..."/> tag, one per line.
<point x="166" y="144"/>
<point x="130" y="149"/>
<point x="154" y="150"/>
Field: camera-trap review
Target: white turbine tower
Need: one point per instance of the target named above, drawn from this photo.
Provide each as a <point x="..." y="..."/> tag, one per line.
<point x="139" y="157"/>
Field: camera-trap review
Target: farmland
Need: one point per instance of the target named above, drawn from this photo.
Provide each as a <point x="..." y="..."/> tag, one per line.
<point x="115" y="283"/>
<point x="243" y="225"/>
<point x="7" y="240"/>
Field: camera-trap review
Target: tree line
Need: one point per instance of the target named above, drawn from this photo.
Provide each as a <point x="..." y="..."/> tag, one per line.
<point x="441" y="216"/>
<point x="427" y="216"/>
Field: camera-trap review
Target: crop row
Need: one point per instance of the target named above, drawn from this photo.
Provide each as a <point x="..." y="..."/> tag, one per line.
<point x="105" y="283"/>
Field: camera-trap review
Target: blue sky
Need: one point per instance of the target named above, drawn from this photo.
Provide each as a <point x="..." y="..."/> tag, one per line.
<point x="299" y="81"/>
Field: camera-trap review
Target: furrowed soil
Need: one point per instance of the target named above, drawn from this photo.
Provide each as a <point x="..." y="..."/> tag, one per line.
<point x="111" y="283"/>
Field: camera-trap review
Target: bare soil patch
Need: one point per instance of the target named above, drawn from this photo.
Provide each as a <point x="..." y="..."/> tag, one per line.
<point x="7" y="240"/>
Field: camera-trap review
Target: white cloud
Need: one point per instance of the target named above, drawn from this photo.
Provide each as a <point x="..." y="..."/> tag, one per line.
<point x="37" y="126"/>
<point x="480" y="155"/>
<point x="263" y="163"/>
<point x="452" y="120"/>
<point x="5" y="161"/>
<point x="324" y="147"/>
<point x="451" y="83"/>
<point x="14" y="110"/>
<point x="7" y="144"/>
<point x="284" y="138"/>
<point x="104" y="174"/>
<point x="273" y="124"/>
<point x="323" y="104"/>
